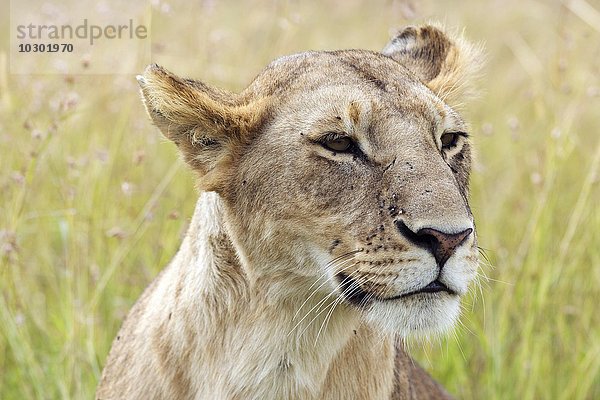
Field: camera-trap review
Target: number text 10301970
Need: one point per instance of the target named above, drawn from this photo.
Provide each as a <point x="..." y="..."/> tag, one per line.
<point x="45" y="48"/>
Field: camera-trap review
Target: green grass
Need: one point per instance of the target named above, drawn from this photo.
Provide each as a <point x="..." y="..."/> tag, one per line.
<point x="93" y="202"/>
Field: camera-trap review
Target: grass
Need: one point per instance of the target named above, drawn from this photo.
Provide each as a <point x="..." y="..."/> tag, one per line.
<point x="93" y="203"/>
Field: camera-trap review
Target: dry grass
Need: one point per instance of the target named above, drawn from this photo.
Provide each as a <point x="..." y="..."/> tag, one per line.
<point x="93" y="202"/>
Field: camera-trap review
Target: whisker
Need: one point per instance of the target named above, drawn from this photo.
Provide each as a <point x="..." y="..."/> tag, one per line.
<point x="350" y="253"/>
<point x="499" y="281"/>
<point x="483" y="253"/>
<point x="328" y="317"/>
<point x="456" y="338"/>
<point x="323" y="282"/>
<point x="320" y="303"/>
<point x="463" y="325"/>
<point x="349" y="293"/>
<point x="329" y="264"/>
<point x="320" y="311"/>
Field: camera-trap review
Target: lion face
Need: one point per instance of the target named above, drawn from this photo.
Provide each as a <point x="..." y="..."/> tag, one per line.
<point x="373" y="181"/>
<point x="350" y="164"/>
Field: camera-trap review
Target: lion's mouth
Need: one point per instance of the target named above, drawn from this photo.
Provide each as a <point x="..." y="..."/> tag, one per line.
<point x="354" y="293"/>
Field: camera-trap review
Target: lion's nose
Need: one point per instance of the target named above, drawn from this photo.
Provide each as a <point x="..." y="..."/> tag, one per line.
<point x="441" y="244"/>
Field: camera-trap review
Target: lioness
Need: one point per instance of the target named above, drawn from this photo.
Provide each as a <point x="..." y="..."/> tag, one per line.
<point x="333" y="222"/>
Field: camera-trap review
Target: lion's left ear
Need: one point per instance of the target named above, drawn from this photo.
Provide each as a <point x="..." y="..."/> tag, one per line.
<point x="446" y="64"/>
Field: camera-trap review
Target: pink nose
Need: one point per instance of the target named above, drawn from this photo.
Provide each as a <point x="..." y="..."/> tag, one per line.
<point x="441" y="244"/>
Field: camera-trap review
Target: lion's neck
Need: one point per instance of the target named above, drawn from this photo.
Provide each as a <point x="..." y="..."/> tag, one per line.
<point x="270" y="339"/>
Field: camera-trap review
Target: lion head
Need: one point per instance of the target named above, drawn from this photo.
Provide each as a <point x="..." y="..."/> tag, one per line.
<point x="348" y="168"/>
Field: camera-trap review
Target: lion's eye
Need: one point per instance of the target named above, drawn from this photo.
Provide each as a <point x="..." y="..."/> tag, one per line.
<point x="340" y="144"/>
<point x="450" y="139"/>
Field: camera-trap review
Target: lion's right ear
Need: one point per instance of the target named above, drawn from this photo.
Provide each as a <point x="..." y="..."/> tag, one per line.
<point x="205" y="123"/>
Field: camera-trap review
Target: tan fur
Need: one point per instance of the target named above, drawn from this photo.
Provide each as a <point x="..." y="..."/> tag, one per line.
<point x="296" y="279"/>
<point x="456" y="65"/>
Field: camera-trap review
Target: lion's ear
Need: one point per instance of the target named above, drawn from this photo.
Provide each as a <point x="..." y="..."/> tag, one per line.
<point x="205" y="123"/>
<point x="446" y="64"/>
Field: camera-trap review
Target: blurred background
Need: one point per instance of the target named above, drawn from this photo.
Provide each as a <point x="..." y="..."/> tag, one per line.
<point x="93" y="202"/>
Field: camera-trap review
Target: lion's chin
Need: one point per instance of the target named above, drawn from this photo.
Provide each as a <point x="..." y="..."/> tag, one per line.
<point x="419" y="316"/>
